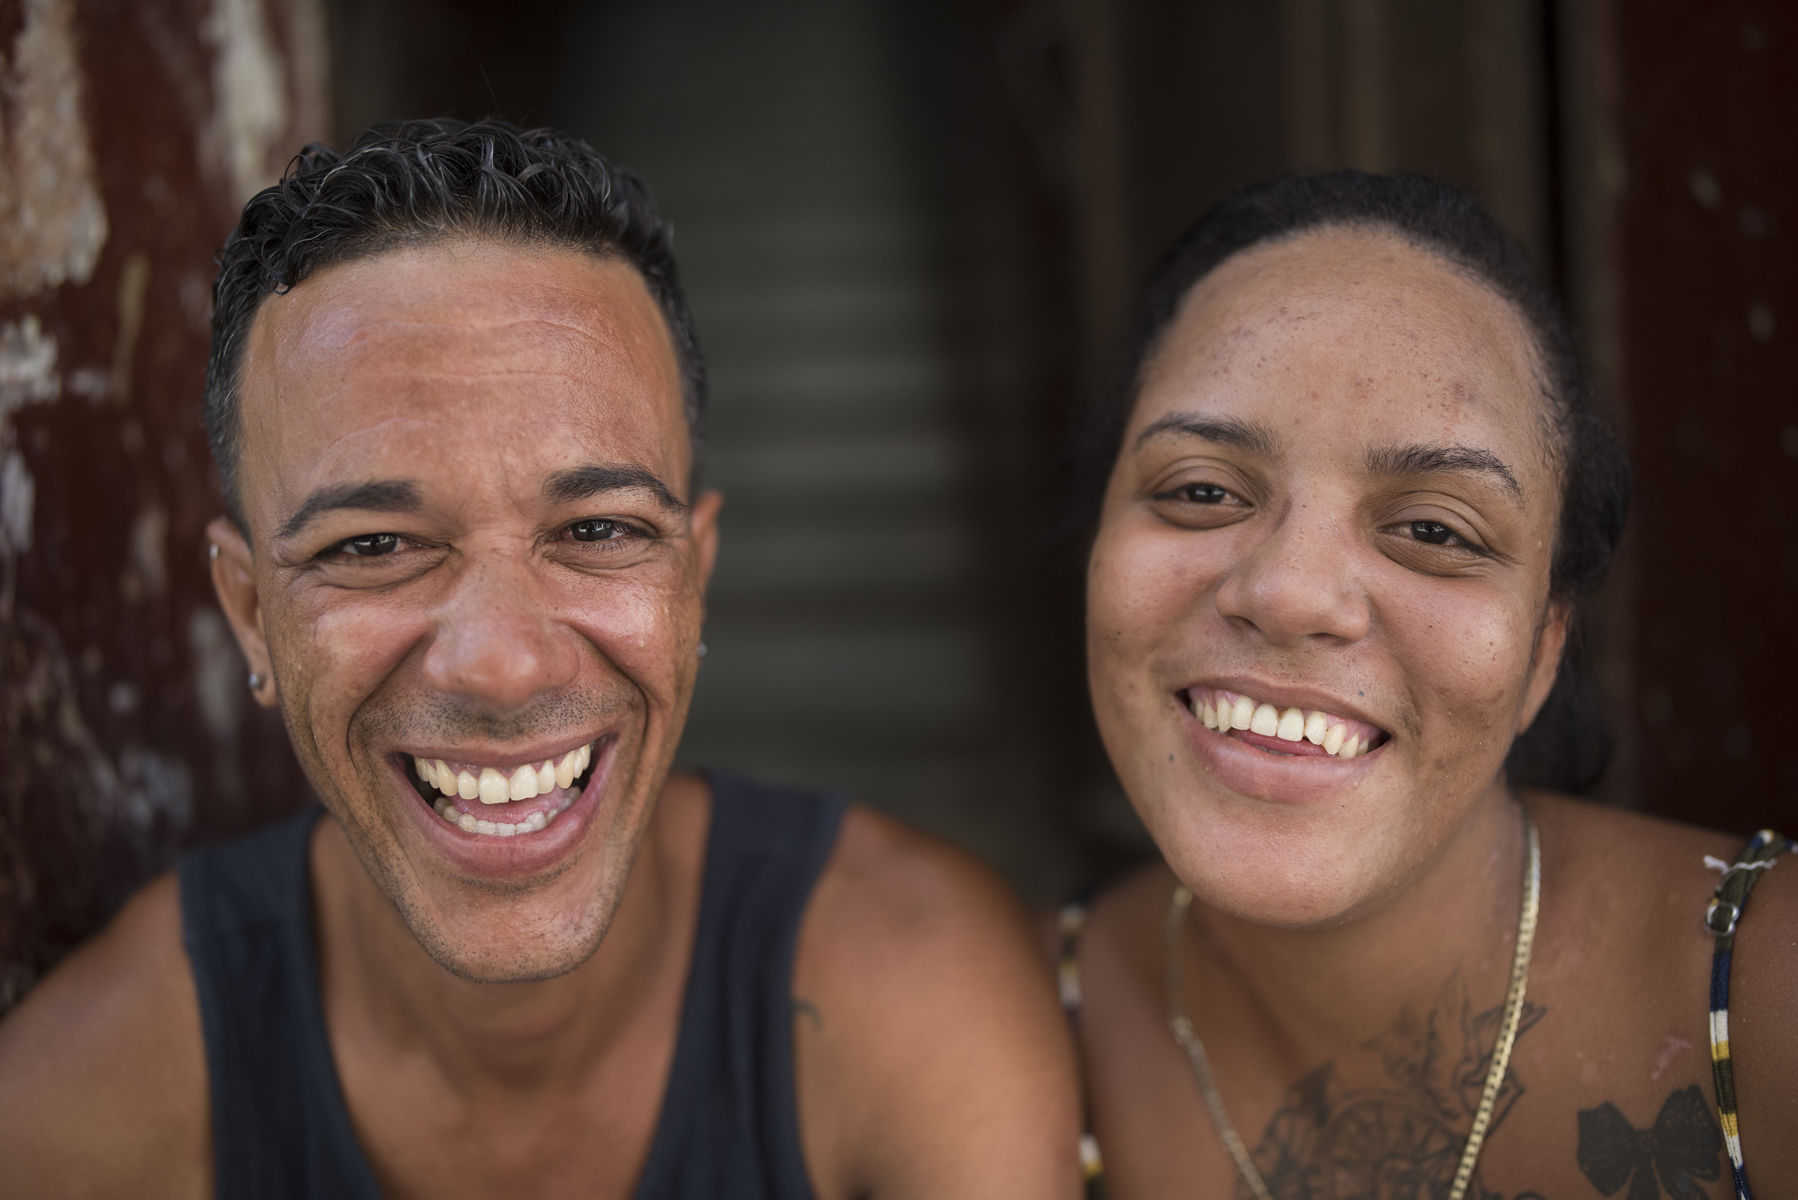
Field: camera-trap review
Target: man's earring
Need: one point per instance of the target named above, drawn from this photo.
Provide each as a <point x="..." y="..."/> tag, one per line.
<point x="702" y="649"/>
<point x="212" y="551"/>
<point x="255" y="682"/>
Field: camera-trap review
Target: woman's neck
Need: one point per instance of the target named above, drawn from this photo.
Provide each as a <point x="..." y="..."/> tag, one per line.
<point x="1319" y="991"/>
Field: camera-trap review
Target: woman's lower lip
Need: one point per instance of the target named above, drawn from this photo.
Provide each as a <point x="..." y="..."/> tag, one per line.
<point x="1289" y="776"/>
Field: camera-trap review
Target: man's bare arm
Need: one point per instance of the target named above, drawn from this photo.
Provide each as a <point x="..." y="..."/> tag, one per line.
<point x="932" y="1057"/>
<point x="102" y="1069"/>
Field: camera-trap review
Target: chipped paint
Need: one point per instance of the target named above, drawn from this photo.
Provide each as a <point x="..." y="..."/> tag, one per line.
<point x="18" y="500"/>
<point x="27" y="366"/>
<point x="218" y="673"/>
<point x="125" y="730"/>
<point x="27" y="376"/>
<point x="134" y="282"/>
<point x="52" y="220"/>
<point x="149" y="543"/>
<point x="249" y="89"/>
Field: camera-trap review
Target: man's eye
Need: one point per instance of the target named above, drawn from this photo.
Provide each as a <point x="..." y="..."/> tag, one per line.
<point x="597" y="531"/>
<point x="1433" y="532"/>
<point x="1202" y="493"/>
<point x="372" y="545"/>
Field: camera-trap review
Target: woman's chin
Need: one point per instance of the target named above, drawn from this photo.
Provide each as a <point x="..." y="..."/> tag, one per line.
<point x="1327" y="874"/>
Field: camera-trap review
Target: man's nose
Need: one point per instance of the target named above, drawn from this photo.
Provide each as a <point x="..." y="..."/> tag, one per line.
<point x="1300" y="582"/>
<point x="497" y="642"/>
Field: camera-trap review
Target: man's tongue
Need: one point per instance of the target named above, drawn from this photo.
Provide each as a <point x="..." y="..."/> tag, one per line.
<point x="515" y="811"/>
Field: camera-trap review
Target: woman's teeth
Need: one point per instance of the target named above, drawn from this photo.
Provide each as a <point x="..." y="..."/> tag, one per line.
<point x="493" y="786"/>
<point x="1224" y="711"/>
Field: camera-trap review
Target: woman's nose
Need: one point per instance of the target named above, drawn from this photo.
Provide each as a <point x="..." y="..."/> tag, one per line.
<point x="497" y="642"/>
<point x="1299" y="582"/>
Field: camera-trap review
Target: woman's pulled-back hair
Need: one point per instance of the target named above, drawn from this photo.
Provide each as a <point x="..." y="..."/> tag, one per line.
<point x="1567" y="747"/>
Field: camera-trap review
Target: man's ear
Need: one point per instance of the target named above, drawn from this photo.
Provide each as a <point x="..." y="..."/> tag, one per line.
<point x="704" y="524"/>
<point x="1545" y="662"/>
<point x="234" y="579"/>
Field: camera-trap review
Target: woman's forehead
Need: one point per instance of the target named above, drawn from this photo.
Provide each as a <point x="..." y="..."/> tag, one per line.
<point x="1349" y="329"/>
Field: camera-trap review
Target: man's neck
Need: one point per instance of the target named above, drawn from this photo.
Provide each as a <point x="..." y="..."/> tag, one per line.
<point x="1321" y="990"/>
<point x="377" y="980"/>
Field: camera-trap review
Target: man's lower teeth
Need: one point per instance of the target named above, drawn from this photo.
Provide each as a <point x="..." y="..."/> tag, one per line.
<point x="531" y="824"/>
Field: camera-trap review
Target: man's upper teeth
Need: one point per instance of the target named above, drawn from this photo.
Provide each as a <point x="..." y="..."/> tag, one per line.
<point x="1225" y="711"/>
<point x="494" y="786"/>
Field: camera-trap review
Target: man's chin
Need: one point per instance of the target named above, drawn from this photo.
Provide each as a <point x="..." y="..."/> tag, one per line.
<point x="491" y="956"/>
<point x="513" y="910"/>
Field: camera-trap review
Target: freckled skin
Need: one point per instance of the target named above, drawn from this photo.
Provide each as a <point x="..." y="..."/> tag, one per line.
<point x="1350" y="942"/>
<point x="503" y="1013"/>
<point x="403" y="378"/>
<point x="1306" y="587"/>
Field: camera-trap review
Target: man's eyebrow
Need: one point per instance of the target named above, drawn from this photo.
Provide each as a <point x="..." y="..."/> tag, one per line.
<point x="381" y="495"/>
<point x="1228" y="431"/>
<point x="1425" y="460"/>
<point x="581" y="482"/>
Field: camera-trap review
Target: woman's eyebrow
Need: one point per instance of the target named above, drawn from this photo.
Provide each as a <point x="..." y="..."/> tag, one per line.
<point x="1427" y="460"/>
<point x="1228" y="431"/>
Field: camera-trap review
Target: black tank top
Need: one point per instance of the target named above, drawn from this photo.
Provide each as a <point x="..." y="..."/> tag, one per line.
<point x="728" y="1128"/>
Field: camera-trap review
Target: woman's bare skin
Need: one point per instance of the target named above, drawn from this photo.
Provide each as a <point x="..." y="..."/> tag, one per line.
<point x="1338" y="493"/>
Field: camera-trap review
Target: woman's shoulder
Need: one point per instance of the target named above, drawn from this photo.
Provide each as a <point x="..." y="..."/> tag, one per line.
<point x="1632" y="892"/>
<point x="1597" y="858"/>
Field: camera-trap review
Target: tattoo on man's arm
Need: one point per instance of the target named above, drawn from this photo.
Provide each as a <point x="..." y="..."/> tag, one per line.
<point x="1684" y="1145"/>
<point x="805" y="1008"/>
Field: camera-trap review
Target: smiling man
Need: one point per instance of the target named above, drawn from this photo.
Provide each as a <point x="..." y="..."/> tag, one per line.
<point x="456" y="403"/>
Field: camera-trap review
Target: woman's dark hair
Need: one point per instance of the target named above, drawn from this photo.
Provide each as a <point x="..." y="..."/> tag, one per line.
<point x="1567" y="747"/>
<point x="418" y="182"/>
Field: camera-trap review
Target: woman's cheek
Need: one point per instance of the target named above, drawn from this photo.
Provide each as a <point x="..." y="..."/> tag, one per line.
<point x="1143" y="584"/>
<point x="1469" y="656"/>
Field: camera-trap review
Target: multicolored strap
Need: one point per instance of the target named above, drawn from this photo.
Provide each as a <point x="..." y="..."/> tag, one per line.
<point x="1720" y="919"/>
<point x="1067" y="975"/>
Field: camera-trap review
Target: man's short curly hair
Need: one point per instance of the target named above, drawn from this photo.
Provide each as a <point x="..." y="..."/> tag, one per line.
<point x="415" y="183"/>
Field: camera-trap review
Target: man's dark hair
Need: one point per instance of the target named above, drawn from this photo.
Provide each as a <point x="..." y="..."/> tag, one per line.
<point x="1567" y="747"/>
<point x="419" y="182"/>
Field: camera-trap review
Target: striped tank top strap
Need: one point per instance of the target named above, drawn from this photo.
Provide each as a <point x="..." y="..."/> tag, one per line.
<point x="1720" y="919"/>
<point x="1067" y="973"/>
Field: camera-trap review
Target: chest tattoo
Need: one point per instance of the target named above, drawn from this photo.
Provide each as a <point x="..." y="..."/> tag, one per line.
<point x="1400" y="1140"/>
<point x="1684" y="1145"/>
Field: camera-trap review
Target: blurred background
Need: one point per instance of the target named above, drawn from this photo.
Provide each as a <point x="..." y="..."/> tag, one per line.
<point x="910" y="230"/>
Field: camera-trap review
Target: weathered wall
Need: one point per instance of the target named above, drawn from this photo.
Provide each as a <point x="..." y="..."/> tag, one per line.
<point x="1700" y="176"/>
<point x="130" y="131"/>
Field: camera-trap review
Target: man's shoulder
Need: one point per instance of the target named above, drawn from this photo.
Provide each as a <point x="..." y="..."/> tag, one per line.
<point x="928" y="1032"/>
<point x="103" y="1066"/>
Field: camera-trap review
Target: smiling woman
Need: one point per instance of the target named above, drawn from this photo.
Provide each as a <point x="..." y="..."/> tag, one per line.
<point x="1351" y="499"/>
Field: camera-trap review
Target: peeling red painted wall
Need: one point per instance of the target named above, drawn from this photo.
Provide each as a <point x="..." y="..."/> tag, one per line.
<point x="1706" y="253"/>
<point x="130" y="131"/>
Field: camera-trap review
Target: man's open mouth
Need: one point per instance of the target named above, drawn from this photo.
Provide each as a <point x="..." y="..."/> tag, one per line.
<point x="1291" y="731"/>
<point x="503" y="801"/>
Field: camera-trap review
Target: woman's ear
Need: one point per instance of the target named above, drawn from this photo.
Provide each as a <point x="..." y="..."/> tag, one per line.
<point x="234" y="579"/>
<point x="1545" y="661"/>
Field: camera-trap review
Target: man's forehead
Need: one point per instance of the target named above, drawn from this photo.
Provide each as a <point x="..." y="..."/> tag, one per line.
<point x="420" y="355"/>
<point x="479" y="303"/>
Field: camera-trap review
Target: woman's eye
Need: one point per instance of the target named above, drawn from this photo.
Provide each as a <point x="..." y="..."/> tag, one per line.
<point x="597" y="531"/>
<point x="372" y="545"/>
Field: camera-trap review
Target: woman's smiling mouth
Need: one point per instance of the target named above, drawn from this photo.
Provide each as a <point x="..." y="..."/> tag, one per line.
<point x="1291" y="731"/>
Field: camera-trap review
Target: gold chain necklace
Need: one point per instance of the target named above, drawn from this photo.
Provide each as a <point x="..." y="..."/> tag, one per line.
<point x="1501" y="1052"/>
